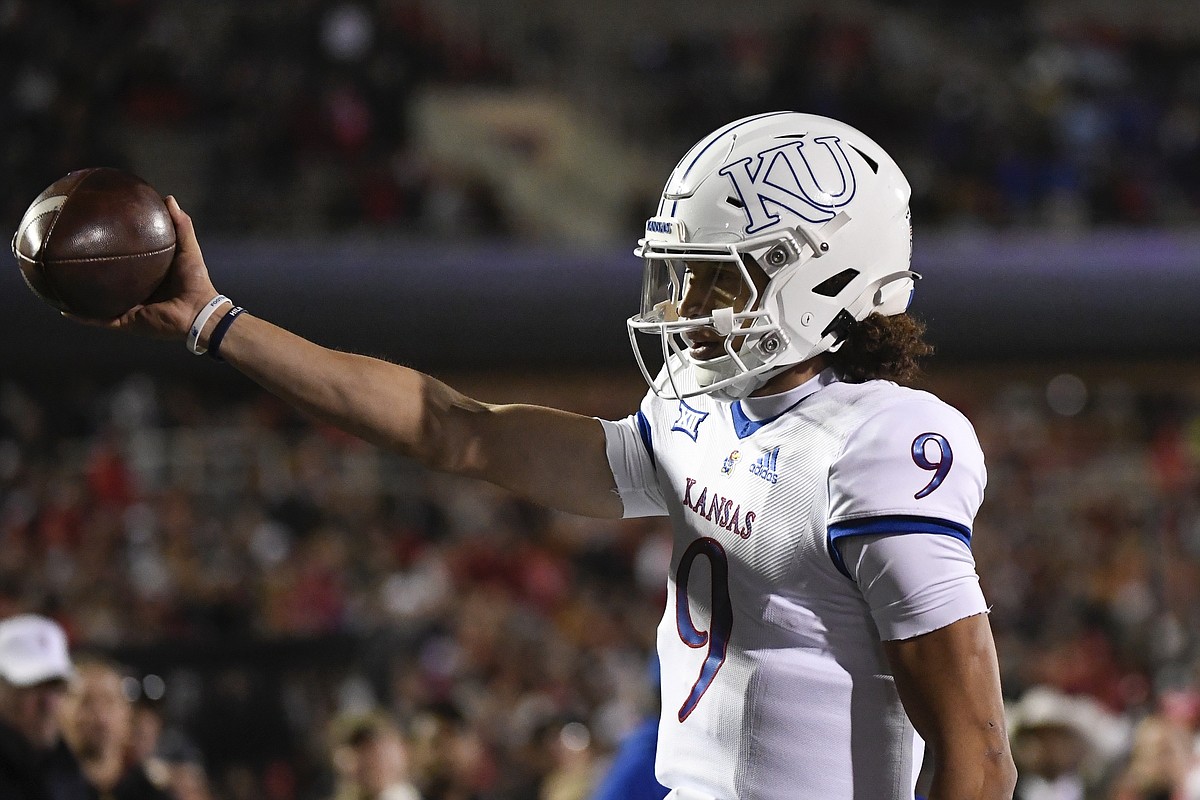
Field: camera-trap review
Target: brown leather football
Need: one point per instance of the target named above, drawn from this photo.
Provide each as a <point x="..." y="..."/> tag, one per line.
<point x="96" y="242"/>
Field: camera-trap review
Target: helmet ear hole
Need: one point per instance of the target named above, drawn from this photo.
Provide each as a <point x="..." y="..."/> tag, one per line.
<point x="839" y="327"/>
<point x="832" y="286"/>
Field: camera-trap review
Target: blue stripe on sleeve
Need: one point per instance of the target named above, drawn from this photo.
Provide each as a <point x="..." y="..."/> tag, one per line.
<point x="647" y="439"/>
<point x="895" y="525"/>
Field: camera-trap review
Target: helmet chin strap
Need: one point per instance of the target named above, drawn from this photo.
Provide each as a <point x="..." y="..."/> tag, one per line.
<point x="724" y="369"/>
<point x="740" y="385"/>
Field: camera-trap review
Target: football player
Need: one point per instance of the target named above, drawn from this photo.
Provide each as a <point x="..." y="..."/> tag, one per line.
<point x="824" y="621"/>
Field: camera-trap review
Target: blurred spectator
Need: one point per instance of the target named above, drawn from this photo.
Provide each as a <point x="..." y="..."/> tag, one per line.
<point x="98" y="727"/>
<point x="630" y="776"/>
<point x="573" y="768"/>
<point x="146" y="729"/>
<point x="168" y="755"/>
<point x="1064" y="746"/>
<point x="187" y="778"/>
<point x="35" y="666"/>
<point x="1159" y="763"/>
<point x="370" y="756"/>
<point x="450" y="761"/>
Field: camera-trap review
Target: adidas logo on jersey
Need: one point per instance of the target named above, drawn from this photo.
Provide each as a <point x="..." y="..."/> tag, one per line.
<point x="764" y="467"/>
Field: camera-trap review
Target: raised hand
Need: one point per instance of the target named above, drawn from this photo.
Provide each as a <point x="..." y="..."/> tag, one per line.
<point x="186" y="289"/>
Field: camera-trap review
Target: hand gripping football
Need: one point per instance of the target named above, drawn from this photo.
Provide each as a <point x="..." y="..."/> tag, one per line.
<point x="95" y="243"/>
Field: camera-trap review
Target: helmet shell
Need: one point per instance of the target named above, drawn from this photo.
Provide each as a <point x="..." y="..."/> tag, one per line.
<point x="818" y="204"/>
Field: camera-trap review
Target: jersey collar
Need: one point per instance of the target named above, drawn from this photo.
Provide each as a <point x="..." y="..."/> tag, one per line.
<point x="752" y="413"/>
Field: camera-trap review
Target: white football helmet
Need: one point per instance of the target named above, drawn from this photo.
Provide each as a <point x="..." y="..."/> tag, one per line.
<point x="807" y="214"/>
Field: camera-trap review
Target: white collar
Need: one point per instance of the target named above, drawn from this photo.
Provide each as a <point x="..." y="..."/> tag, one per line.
<point x="772" y="405"/>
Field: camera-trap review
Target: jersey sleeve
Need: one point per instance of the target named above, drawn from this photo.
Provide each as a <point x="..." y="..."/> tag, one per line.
<point x="630" y="449"/>
<point x="914" y="467"/>
<point x="913" y="584"/>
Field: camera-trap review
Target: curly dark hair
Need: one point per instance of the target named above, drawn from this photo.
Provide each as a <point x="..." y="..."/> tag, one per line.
<point x="879" y="347"/>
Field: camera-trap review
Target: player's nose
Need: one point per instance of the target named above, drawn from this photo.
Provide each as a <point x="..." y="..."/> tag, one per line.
<point x="697" y="301"/>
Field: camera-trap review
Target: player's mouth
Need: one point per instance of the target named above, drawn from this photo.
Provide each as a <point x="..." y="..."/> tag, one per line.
<point x="706" y="349"/>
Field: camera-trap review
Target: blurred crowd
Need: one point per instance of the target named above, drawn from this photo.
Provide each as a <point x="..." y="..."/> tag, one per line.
<point x="296" y="115"/>
<point x="289" y="115"/>
<point x="261" y="607"/>
<point x="297" y="608"/>
<point x="280" y="577"/>
<point x="1000" y="114"/>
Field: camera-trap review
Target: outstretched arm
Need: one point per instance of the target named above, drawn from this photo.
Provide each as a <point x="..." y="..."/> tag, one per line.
<point x="549" y="456"/>
<point x="949" y="682"/>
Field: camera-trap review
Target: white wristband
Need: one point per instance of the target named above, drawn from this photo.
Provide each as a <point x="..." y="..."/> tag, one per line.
<point x="193" y="337"/>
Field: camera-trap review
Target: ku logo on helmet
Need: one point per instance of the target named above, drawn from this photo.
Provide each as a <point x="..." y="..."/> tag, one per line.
<point x="811" y="180"/>
<point x="658" y="226"/>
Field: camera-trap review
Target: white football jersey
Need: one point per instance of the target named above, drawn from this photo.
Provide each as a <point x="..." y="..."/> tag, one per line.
<point x="774" y="681"/>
